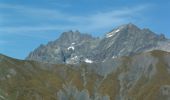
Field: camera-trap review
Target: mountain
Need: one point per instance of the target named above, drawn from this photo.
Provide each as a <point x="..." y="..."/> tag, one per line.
<point x="75" y="47"/>
<point x="128" y="40"/>
<point x="143" y="76"/>
<point x="71" y="47"/>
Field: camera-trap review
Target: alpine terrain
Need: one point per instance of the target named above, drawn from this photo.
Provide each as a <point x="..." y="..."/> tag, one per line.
<point x="128" y="63"/>
<point x="74" y="47"/>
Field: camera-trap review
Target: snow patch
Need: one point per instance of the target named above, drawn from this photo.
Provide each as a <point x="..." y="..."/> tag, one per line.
<point x="114" y="57"/>
<point x="73" y="43"/>
<point x="112" y="33"/>
<point x="71" y="47"/>
<point x="72" y="60"/>
<point x="75" y="57"/>
<point x="88" y="61"/>
<point x="117" y="30"/>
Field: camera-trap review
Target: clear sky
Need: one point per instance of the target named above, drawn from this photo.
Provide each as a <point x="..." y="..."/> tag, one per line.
<point x="25" y="24"/>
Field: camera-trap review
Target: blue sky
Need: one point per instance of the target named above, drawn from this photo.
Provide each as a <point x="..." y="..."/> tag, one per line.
<point x="25" y="24"/>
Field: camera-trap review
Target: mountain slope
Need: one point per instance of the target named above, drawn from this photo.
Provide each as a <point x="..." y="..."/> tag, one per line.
<point x="144" y="76"/>
<point x="74" y="47"/>
<point x="128" y="40"/>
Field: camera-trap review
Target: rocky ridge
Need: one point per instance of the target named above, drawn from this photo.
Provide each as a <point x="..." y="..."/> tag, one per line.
<point x="75" y="47"/>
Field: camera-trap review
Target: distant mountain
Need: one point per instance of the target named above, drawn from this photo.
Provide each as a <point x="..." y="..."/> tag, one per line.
<point x="71" y="47"/>
<point x="75" y="47"/>
<point x="143" y="76"/>
<point x="128" y="40"/>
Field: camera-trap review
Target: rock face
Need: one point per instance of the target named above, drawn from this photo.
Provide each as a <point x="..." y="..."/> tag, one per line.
<point x="143" y="76"/>
<point x="128" y="40"/>
<point x="71" y="48"/>
<point x="74" y="47"/>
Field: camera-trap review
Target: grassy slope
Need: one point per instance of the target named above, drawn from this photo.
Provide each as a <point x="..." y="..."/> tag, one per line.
<point x="29" y="80"/>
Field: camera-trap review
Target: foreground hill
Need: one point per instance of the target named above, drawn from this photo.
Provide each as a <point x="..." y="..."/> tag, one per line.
<point x="143" y="76"/>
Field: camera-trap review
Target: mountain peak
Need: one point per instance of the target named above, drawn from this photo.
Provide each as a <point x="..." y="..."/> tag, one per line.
<point x="119" y="29"/>
<point x="74" y="35"/>
<point x="130" y="25"/>
<point x="70" y="34"/>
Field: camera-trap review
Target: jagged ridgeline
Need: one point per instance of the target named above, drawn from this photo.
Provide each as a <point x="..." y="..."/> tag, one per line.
<point x="144" y="76"/>
<point x="75" y="47"/>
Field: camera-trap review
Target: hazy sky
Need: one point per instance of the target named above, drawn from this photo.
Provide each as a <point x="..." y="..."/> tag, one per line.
<point x="25" y="24"/>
